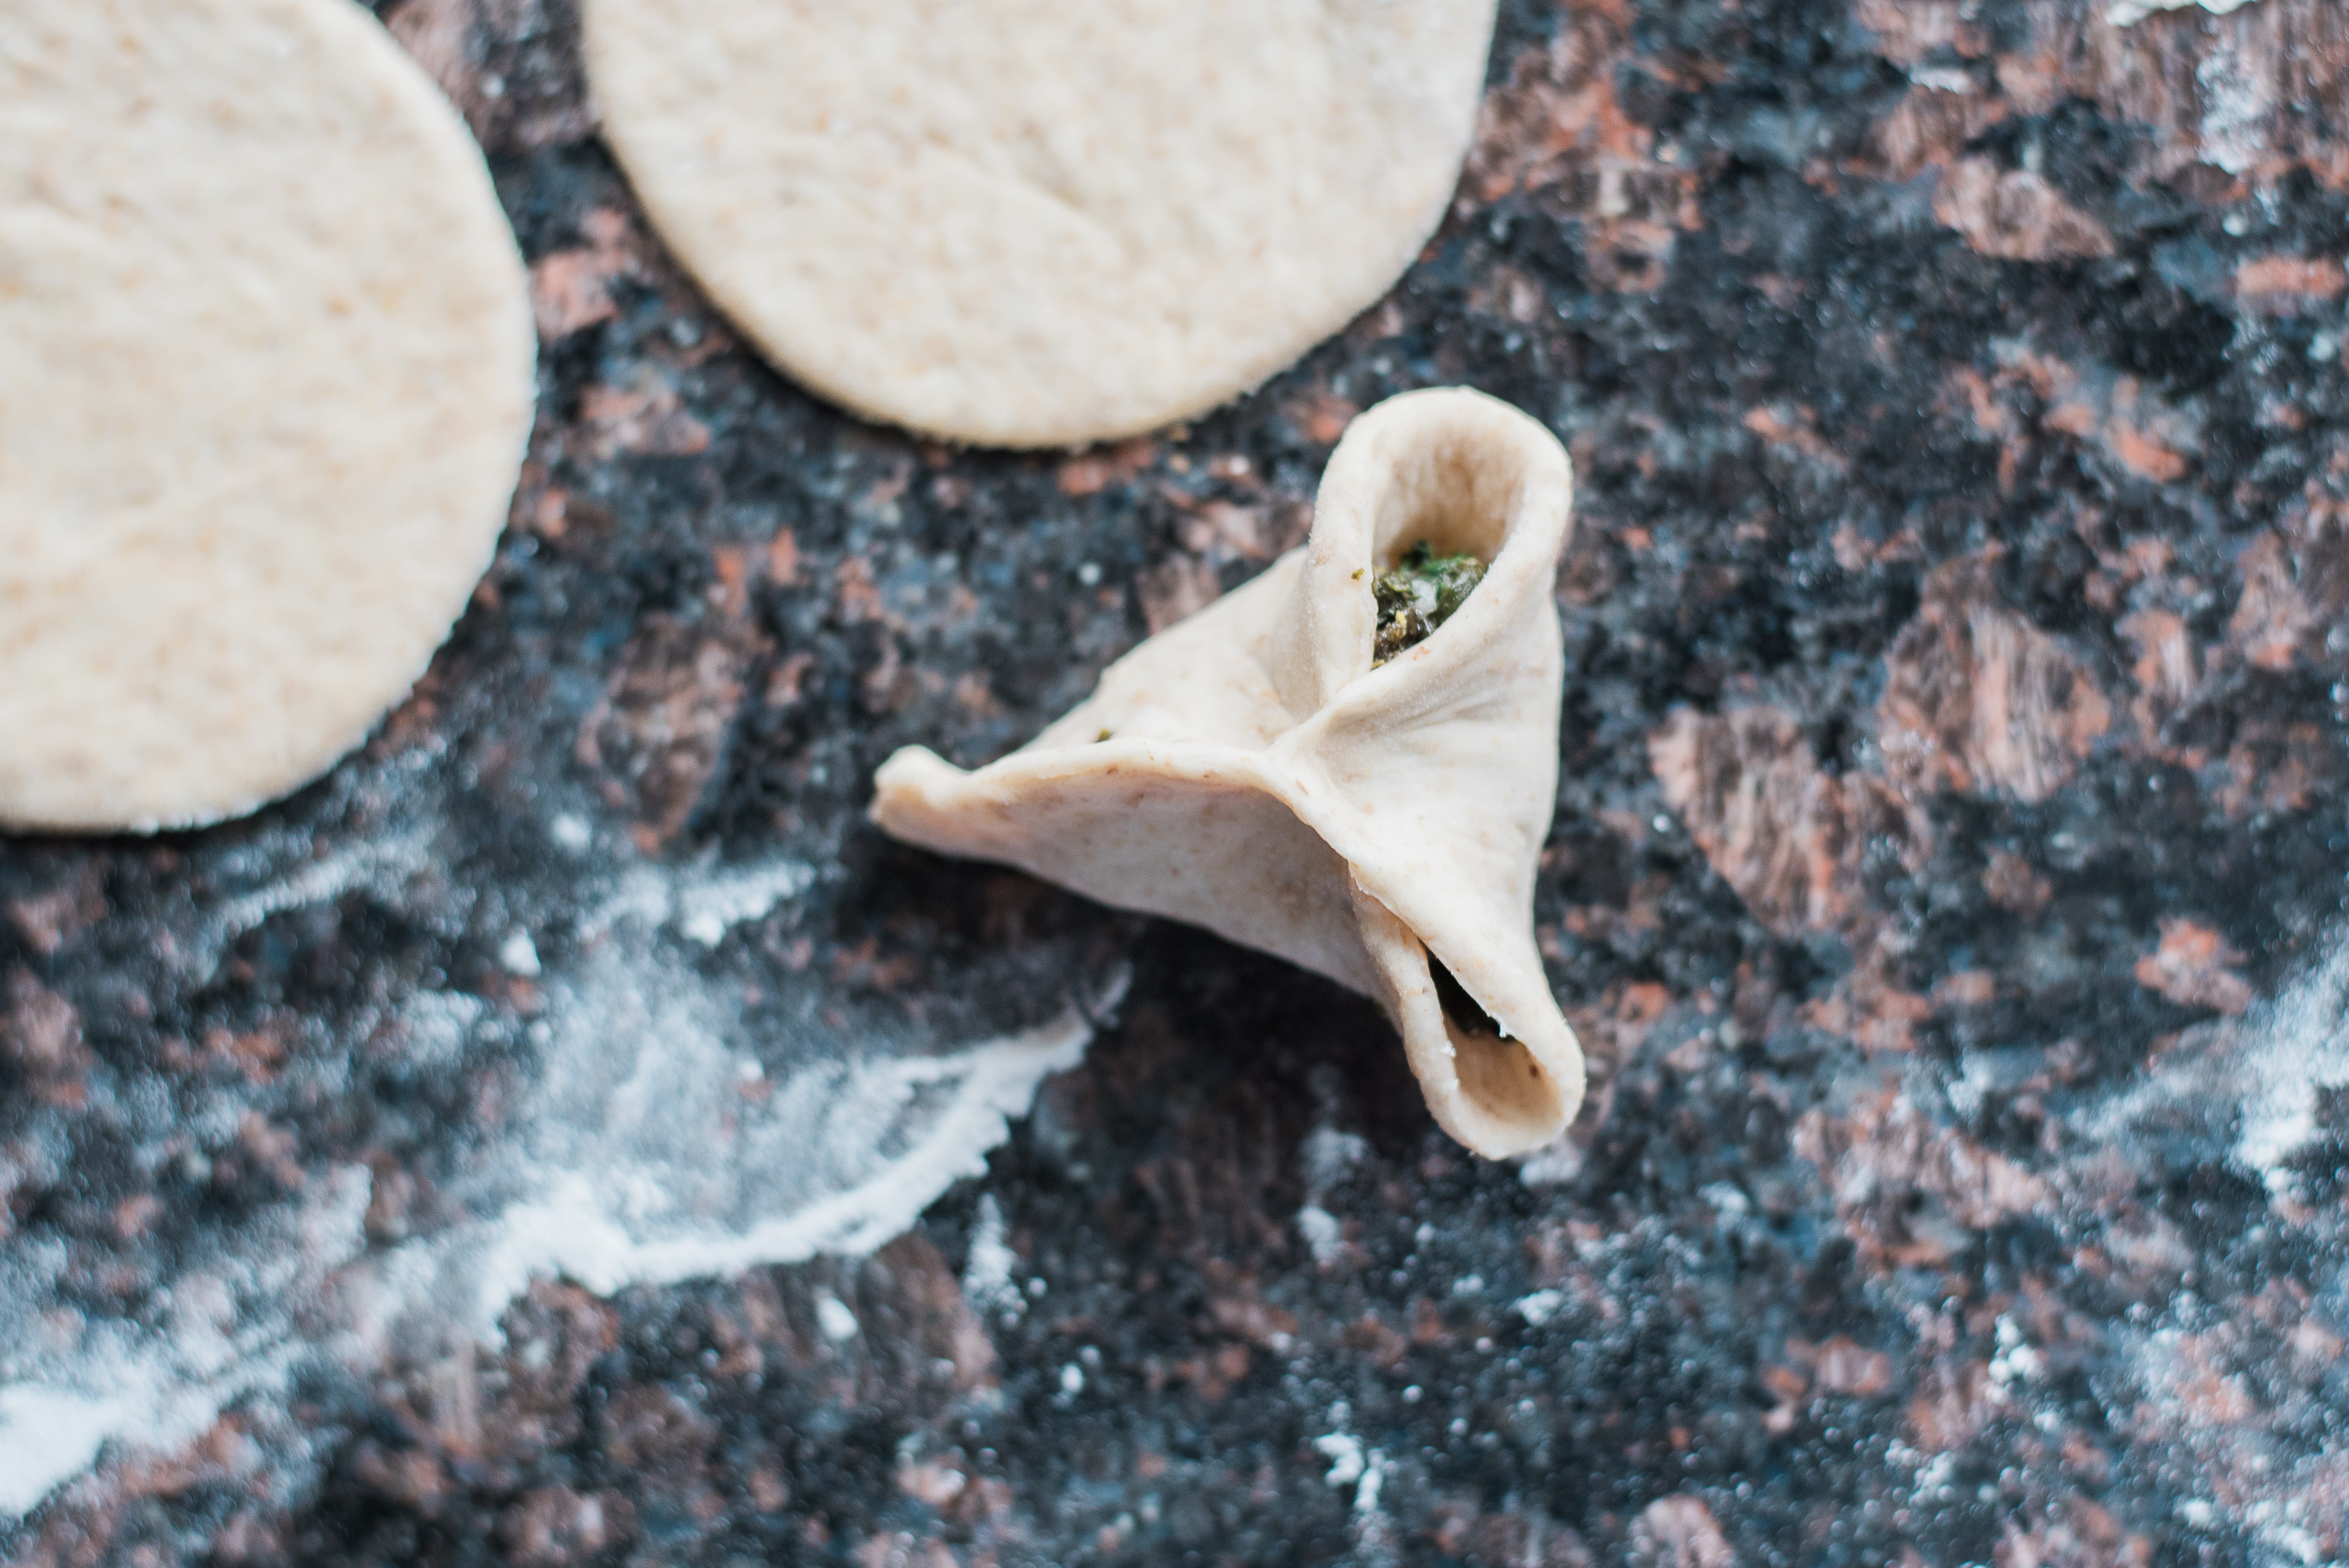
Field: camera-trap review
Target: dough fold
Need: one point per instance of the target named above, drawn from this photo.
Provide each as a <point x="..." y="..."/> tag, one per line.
<point x="1250" y="770"/>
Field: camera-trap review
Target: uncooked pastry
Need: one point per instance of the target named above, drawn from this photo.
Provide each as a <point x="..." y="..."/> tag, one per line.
<point x="1040" y="223"/>
<point x="266" y="368"/>
<point x="1249" y="769"/>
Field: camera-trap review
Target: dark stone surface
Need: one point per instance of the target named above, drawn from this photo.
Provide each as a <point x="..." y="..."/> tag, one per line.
<point x="1948" y="865"/>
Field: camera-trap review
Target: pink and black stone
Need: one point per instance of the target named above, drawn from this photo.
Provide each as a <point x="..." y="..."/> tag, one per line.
<point x="1946" y="883"/>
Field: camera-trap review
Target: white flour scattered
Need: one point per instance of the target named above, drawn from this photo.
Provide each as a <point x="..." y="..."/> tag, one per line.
<point x="2255" y="1083"/>
<point x="1323" y="1233"/>
<point x="2236" y="103"/>
<point x="1328" y="1155"/>
<point x="60" y="1436"/>
<point x="1366" y="1471"/>
<point x="227" y="1328"/>
<point x="382" y="864"/>
<point x="2246" y="1093"/>
<point x="2235" y="1474"/>
<point x="1326" y="1158"/>
<point x="2127" y="13"/>
<point x="2295" y="1048"/>
<point x="1552" y="1164"/>
<point x="1344" y="1452"/>
<point x="519" y="954"/>
<point x="987" y="1279"/>
<point x="708" y="907"/>
<point x="705" y="903"/>
<point x="1540" y="1306"/>
<point x="661" y="1175"/>
<point x="833" y="1317"/>
<point x="665" y="1135"/>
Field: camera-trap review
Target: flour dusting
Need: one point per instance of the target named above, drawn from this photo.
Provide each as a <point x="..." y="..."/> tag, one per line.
<point x="2298" y="1047"/>
<point x="48" y="1436"/>
<point x="2127" y="13"/>
<point x="2250" y="1089"/>
<point x="669" y="1115"/>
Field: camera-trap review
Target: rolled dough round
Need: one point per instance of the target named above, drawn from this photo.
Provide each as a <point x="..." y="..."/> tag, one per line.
<point x="1040" y="223"/>
<point x="266" y="371"/>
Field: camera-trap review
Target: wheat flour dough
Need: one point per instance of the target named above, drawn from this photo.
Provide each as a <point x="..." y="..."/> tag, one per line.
<point x="1268" y="769"/>
<point x="266" y="370"/>
<point x="1040" y="222"/>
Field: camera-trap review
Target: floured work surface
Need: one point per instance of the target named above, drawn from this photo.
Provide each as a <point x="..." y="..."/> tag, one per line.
<point x="1919" y="1090"/>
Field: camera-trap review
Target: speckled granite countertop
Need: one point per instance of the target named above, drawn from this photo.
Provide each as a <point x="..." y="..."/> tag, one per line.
<point x="1947" y="884"/>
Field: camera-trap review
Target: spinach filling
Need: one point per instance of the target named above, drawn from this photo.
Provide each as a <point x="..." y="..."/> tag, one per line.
<point x="1418" y="594"/>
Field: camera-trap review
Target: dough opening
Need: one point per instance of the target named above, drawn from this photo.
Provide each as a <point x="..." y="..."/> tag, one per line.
<point x="1499" y="1077"/>
<point x="1444" y="488"/>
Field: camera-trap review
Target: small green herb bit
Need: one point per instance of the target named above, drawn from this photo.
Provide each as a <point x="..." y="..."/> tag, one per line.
<point x="1418" y="595"/>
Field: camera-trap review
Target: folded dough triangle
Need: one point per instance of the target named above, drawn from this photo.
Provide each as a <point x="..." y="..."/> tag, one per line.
<point x="1250" y="771"/>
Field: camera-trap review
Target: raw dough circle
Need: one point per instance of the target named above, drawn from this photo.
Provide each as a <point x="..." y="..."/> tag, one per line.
<point x="1040" y="223"/>
<point x="266" y="370"/>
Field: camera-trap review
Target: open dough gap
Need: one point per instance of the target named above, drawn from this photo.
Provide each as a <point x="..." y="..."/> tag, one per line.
<point x="1442" y="495"/>
<point x="1494" y="1092"/>
<point x="1499" y="1076"/>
